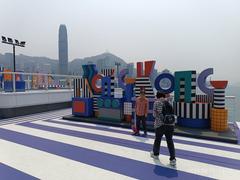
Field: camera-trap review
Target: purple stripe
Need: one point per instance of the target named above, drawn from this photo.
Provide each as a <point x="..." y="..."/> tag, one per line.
<point x="205" y="158"/>
<point x="121" y="165"/>
<point x="9" y="173"/>
<point x="150" y="136"/>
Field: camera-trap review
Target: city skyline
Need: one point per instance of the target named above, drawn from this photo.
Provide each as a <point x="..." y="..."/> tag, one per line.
<point x="179" y="35"/>
<point x="120" y="89"/>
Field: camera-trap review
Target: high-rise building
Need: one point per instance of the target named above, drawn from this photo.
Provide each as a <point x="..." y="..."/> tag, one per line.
<point x="63" y="49"/>
<point x="46" y="68"/>
<point x="130" y="67"/>
<point x="105" y="63"/>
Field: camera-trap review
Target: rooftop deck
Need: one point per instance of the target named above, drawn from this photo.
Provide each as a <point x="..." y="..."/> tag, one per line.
<point x="45" y="146"/>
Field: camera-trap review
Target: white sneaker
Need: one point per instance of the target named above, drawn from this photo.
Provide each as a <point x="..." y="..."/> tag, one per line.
<point x="173" y="162"/>
<point x="153" y="156"/>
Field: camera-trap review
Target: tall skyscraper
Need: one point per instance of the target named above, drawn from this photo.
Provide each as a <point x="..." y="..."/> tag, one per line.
<point x="63" y="49"/>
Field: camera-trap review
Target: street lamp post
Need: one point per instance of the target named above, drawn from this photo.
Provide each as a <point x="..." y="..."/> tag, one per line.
<point x="14" y="43"/>
<point x="14" y="59"/>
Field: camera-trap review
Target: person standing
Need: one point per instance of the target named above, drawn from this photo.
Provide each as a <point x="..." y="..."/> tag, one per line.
<point x="141" y="109"/>
<point x="161" y="128"/>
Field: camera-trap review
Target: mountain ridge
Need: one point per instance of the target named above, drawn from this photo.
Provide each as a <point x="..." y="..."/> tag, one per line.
<point x="36" y="64"/>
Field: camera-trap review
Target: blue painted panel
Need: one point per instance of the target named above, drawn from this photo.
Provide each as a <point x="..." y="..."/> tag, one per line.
<point x="193" y="123"/>
<point x="88" y="107"/>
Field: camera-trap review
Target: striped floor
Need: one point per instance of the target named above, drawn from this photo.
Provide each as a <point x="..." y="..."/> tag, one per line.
<point x="43" y="146"/>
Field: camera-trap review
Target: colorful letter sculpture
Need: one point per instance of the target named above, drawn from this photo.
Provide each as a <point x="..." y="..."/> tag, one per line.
<point x="111" y="101"/>
<point x="143" y="79"/>
<point x="144" y="83"/>
<point x="162" y="76"/>
<point x="82" y="88"/>
<point x="110" y="109"/>
<point x="193" y="115"/>
<point x="97" y="89"/>
<point x="219" y="115"/>
<point x="121" y="78"/>
<point x="89" y="71"/>
<point x="118" y="93"/>
<point x="202" y="81"/>
<point x="189" y="113"/>
<point x="185" y="86"/>
<point x="149" y="66"/>
<point x="82" y="107"/>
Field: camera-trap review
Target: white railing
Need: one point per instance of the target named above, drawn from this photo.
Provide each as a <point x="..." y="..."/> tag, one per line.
<point x="34" y="81"/>
<point x="231" y="105"/>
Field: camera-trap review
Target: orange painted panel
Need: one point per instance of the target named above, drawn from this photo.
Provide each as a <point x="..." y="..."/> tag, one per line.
<point x="129" y="80"/>
<point x="7" y="77"/>
<point x="79" y="107"/>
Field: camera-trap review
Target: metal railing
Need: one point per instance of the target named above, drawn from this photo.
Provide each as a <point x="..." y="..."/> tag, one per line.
<point x="39" y="81"/>
<point x="20" y="81"/>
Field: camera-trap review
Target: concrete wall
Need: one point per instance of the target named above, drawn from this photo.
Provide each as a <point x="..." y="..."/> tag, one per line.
<point x="31" y="98"/>
<point x="23" y="103"/>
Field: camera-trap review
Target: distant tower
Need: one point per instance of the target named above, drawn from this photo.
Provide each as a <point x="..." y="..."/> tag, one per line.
<point x="63" y="49"/>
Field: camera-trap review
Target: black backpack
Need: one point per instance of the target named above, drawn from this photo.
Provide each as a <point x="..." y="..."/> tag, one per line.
<point x="168" y="113"/>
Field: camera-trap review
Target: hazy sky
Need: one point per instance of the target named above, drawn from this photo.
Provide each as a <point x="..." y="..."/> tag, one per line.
<point x="178" y="34"/>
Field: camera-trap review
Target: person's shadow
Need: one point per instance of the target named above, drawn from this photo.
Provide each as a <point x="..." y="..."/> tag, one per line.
<point x="161" y="169"/>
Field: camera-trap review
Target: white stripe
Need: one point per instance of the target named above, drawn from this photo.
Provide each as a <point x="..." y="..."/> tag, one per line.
<point x="188" y="110"/>
<point x="193" y="99"/>
<point x="44" y="165"/>
<point x="219" y="90"/>
<point x="182" y="82"/>
<point x="38" y="116"/>
<point x="143" y="83"/>
<point x="192" y="148"/>
<point x="200" y="111"/>
<point x="142" y="77"/>
<point x="194" y="76"/>
<point x="219" y="106"/>
<point x="182" y="97"/>
<point x="194" y="111"/>
<point x="193" y="83"/>
<point x="238" y="124"/>
<point x="175" y="137"/>
<point x="63" y="111"/>
<point x="23" y="120"/>
<point x="189" y="166"/>
<point x="193" y="91"/>
<point x="219" y="98"/>
<point x="206" y="111"/>
<point x="223" y="96"/>
<point x="182" y="109"/>
<point x="146" y="88"/>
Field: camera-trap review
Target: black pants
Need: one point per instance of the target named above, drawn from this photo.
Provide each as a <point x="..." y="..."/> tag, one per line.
<point x="168" y="132"/>
<point x="141" y="119"/>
